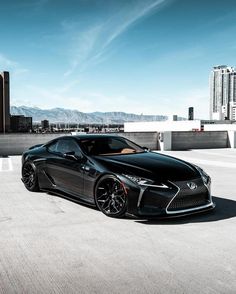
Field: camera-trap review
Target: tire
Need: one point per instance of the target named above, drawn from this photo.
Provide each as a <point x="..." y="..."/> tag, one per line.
<point x="111" y="196"/>
<point x="29" y="177"/>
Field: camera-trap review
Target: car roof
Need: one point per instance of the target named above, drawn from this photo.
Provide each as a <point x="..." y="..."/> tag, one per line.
<point x="94" y="136"/>
<point x="86" y="136"/>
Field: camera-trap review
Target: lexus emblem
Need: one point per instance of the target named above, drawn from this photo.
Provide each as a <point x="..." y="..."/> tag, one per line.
<point x="192" y="186"/>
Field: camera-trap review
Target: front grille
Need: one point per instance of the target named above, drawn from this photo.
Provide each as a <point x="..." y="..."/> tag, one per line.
<point x="189" y="199"/>
<point x="156" y="198"/>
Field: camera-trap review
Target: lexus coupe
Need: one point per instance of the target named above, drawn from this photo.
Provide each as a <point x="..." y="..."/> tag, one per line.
<point x="117" y="176"/>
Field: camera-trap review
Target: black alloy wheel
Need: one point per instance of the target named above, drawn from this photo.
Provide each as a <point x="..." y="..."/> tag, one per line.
<point x="29" y="177"/>
<point x="110" y="196"/>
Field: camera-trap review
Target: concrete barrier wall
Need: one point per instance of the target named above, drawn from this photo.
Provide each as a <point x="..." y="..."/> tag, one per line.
<point x="144" y="139"/>
<point x="15" y="144"/>
<point x="199" y="140"/>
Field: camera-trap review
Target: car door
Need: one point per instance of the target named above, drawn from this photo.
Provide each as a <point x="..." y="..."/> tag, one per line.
<point x="66" y="171"/>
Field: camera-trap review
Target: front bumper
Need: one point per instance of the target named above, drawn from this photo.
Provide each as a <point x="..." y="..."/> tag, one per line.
<point x="176" y="200"/>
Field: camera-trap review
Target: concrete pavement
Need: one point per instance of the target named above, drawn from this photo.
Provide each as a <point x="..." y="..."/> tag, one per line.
<point x="52" y="245"/>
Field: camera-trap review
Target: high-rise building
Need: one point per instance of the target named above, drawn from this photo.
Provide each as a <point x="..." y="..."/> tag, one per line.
<point x="190" y="113"/>
<point x="4" y="102"/>
<point x="20" y="123"/>
<point x="223" y="93"/>
<point x="45" y="124"/>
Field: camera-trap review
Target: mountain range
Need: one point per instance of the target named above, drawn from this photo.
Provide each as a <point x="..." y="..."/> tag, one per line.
<point x="57" y="115"/>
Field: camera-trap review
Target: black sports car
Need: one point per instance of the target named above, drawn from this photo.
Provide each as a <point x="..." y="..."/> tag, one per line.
<point x="117" y="176"/>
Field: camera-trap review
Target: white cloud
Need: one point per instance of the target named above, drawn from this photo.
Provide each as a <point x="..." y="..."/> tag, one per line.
<point x="88" y="47"/>
<point x="6" y="62"/>
<point x="13" y="66"/>
<point x="83" y="46"/>
<point x="125" y="18"/>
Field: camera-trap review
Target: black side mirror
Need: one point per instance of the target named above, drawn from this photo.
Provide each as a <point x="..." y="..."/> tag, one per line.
<point x="146" y="149"/>
<point x="72" y="156"/>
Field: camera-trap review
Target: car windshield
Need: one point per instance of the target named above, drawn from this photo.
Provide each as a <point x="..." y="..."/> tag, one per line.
<point x="109" y="146"/>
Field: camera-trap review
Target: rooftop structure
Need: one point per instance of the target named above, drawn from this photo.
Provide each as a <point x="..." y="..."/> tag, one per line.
<point x="223" y="93"/>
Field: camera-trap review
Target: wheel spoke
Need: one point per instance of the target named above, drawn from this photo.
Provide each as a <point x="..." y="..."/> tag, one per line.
<point x="26" y="180"/>
<point x="107" y="206"/>
<point x="122" y="197"/>
<point x="119" y="203"/>
<point x="113" y="188"/>
<point x="114" y="206"/>
<point x="119" y="192"/>
<point x="102" y="195"/>
<point x="103" y="201"/>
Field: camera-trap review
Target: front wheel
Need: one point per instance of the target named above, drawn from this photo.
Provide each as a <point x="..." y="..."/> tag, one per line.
<point x="29" y="177"/>
<point x="111" y="196"/>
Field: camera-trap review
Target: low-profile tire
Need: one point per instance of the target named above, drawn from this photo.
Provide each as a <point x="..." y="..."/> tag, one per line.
<point x="29" y="177"/>
<point x="111" y="196"/>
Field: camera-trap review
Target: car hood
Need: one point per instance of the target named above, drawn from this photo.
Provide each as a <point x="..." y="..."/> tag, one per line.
<point x="150" y="165"/>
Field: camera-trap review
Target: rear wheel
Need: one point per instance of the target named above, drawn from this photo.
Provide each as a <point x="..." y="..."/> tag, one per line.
<point x="110" y="196"/>
<point x="29" y="177"/>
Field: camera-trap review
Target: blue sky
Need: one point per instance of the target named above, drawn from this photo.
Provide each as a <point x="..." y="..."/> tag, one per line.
<point x="150" y="57"/>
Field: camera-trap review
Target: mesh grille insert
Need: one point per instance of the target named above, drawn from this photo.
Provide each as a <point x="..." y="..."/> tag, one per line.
<point x="188" y="201"/>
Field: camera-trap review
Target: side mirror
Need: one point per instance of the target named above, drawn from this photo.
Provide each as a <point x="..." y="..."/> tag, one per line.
<point x="72" y="156"/>
<point x="146" y="149"/>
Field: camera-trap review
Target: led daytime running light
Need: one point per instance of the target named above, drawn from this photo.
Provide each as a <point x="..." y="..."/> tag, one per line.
<point x="145" y="182"/>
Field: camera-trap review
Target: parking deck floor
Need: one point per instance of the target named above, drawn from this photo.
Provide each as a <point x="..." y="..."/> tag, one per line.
<point x="52" y="245"/>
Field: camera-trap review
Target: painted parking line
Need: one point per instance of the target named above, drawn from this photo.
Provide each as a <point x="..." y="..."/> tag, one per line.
<point x="6" y="164"/>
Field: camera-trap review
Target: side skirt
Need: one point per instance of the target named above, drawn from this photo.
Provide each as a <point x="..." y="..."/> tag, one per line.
<point x="68" y="197"/>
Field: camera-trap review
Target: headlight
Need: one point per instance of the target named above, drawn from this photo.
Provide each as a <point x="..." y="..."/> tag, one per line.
<point x="206" y="179"/>
<point x="138" y="180"/>
<point x="145" y="182"/>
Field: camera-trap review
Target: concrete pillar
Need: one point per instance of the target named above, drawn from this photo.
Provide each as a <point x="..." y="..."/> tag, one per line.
<point x="232" y="139"/>
<point x="167" y="141"/>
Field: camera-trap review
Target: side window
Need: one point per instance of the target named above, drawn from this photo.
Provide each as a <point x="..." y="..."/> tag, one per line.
<point x="53" y="147"/>
<point x="115" y="144"/>
<point x="68" y="145"/>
